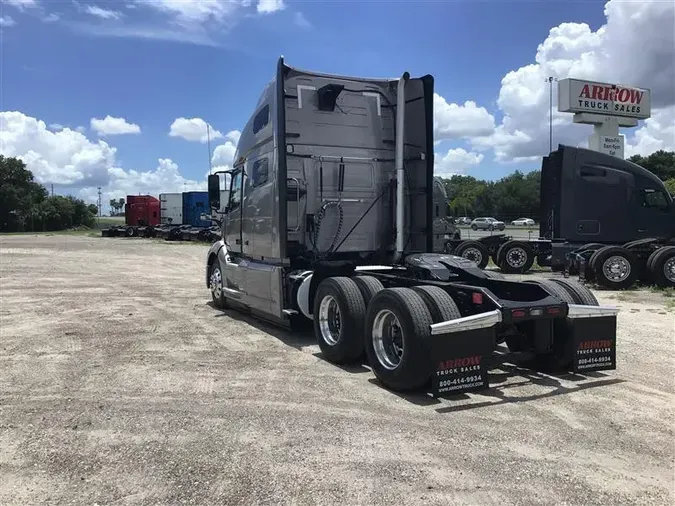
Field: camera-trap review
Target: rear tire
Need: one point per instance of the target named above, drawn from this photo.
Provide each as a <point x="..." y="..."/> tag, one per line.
<point x="475" y="251"/>
<point x="339" y="313"/>
<point x="578" y="292"/>
<point x="663" y="267"/>
<point x="614" y="267"/>
<point x="554" y="289"/>
<point x="515" y="257"/>
<point x="397" y="333"/>
<point x="439" y="303"/>
<point x="369" y="286"/>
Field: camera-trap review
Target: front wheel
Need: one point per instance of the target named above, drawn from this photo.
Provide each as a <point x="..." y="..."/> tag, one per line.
<point x="216" y="285"/>
<point x="397" y="332"/>
<point x="475" y="251"/>
<point x="474" y="227"/>
<point x="515" y="257"/>
<point x="614" y="267"/>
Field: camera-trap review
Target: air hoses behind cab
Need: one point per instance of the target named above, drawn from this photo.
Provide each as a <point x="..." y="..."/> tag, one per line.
<point x="317" y="227"/>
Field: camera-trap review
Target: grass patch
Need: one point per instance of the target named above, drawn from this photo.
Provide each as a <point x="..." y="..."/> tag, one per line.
<point x="82" y="232"/>
<point x="666" y="292"/>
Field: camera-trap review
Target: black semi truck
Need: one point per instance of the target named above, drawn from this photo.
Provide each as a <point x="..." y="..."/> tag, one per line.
<point x="607" y="219"/>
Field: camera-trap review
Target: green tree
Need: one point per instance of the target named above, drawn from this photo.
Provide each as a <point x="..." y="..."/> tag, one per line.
<point x="670" y="184"/>
<point x="660" y="163"/>
<point x="26" y="206"/>
<point x="20" y="195"/>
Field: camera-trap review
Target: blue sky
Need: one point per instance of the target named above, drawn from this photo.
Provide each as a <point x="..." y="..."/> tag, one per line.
<point x="82" y="66"/>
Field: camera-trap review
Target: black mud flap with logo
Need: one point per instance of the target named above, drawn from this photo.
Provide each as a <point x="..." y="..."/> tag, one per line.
<point x="593" y="343"/>
<point x="461" y="361"/>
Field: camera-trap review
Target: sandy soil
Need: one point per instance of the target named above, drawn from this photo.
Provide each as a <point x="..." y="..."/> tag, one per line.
<point x="121" y="384"/>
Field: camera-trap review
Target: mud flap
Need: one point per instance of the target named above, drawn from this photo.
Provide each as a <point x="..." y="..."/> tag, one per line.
<point x="461" y="350"/>
<point x="592" y="334"/>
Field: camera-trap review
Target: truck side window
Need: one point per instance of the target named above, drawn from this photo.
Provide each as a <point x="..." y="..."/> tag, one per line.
<point x="654" y="199"/>
<point x="235" y="191"/>
<point x="588" y="171"/>
<point x="261" y="119"/>
<point x="260" y="172"/>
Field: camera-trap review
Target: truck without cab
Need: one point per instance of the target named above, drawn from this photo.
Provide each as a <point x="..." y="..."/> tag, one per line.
<point x="330" y="220"/>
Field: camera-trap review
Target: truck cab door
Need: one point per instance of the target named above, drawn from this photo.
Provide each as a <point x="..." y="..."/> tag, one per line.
<point x="654" y="213"/>
<point x="233" y="218"/>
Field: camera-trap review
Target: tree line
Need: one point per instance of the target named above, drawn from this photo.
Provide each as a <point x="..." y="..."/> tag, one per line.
<point x="517" y="195"/>
<point x="26" y="206"/>
<point x="117" y="207"/>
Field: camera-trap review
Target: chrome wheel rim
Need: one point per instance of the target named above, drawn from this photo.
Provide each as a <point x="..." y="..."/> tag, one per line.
<point x="616" y="269"/>
<point x="388" y="341"/>
<point x="473" y="254"/>
<point x="516" y="257"/>
<point x="216" y="282"/>
<point x="669" y="269"/>
<point x="330" y="320"/>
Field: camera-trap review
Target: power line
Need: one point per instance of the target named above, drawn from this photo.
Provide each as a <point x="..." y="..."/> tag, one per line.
<point x="208" y="141"/>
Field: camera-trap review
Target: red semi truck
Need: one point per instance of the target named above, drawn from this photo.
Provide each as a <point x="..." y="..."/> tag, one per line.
<point x="141" y="210"/>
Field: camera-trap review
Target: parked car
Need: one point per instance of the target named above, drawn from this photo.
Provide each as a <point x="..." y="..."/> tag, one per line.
<point x="463" y="220"/>
<point x="523" y="222"/>
<point x="487" y="224"/>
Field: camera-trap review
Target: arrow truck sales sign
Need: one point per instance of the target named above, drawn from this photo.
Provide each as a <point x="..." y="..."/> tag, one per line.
<point x="576" y="95"/>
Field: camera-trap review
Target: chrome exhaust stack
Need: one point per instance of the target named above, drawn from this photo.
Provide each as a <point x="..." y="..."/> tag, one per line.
<point x="400" y="171"/>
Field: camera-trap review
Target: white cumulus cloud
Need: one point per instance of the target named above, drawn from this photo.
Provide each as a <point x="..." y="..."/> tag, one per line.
<point x="455" y="161"/>
<point x="21" y="4"/>
<point x="113" y="126"/>
<point x="7" y="21"/>
<point x="223" y="155"/>
<point x="453" y="121"/>
<point x="101" y="13"/>
<point x="268" y="6"/>
<point x="64" y="157"/>
<point x="193" y="130"/>
<point x="68" y="158"/>
<point x="636" y="46"/>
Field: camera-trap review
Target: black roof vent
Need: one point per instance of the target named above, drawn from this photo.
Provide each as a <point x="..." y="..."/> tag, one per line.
<point x="328" y="95"/>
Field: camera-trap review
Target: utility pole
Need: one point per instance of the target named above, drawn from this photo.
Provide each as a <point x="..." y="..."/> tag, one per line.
<point x="99" y="202"/>
<point x="52" y="189"/>
<point x="550" y="112"/>
<point x="208" y="141"/>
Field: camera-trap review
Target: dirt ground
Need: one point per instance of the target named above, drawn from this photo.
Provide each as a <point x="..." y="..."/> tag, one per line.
<point x="121" y="384"/>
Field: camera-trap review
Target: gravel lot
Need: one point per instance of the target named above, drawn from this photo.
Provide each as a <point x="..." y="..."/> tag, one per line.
<point x="121" y="384"/>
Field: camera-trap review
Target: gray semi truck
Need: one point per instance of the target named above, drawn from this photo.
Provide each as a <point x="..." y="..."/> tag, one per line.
<point x="607" y="219"/>
<point x="329" y="221"/>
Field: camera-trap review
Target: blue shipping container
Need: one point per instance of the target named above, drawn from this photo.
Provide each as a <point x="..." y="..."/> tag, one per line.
<point x="194" y="205"/>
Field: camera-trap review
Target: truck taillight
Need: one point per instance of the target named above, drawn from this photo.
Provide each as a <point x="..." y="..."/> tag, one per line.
<point x="477" y="298"/>
<point x="518" y="313"/>
<point x="553" y="310"/>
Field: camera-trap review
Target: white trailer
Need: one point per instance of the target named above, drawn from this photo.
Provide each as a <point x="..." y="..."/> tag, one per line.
<point x="171" y="208"/>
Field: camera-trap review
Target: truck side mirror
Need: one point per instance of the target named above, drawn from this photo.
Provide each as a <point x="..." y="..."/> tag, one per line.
<point x="214" y="191"/>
